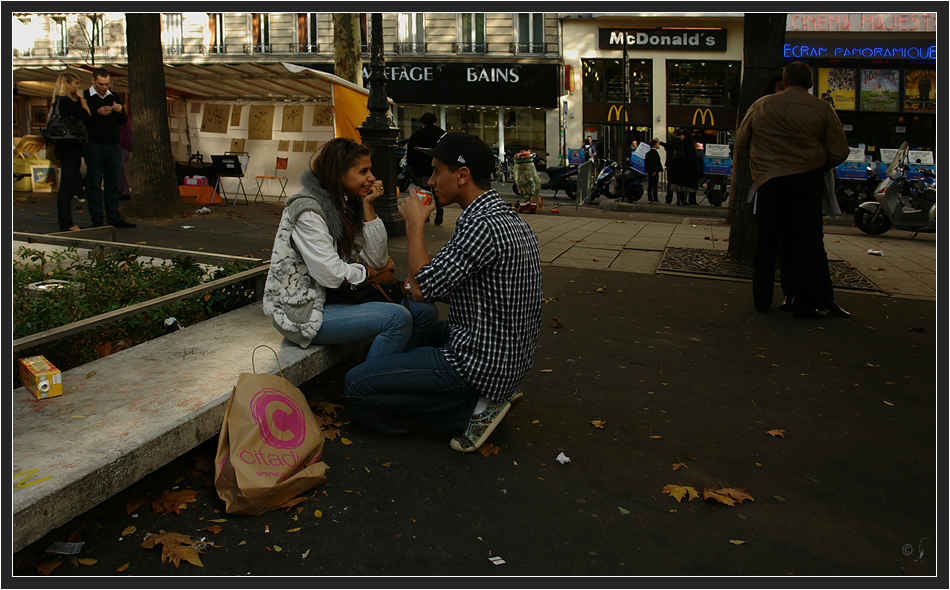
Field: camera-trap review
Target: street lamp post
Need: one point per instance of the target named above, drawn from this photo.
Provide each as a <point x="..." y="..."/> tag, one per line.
<point x="379" y="134"/>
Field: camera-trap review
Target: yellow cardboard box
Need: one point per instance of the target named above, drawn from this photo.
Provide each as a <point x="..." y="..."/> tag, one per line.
<point x="41" y="377"/>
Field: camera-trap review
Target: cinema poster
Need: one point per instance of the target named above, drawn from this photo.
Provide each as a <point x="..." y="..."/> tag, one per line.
<point x="837" y="86"/>
<point x="920" y="90"/>
<point x="880" y="90"/>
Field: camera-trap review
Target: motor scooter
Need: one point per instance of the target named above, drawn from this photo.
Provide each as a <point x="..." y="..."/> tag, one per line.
<point x="888" y="209"/>
<point x="717" y="189"/>
<point x="629" y="183"/>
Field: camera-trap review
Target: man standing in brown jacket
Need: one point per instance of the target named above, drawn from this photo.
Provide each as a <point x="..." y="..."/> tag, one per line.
<point x="792" y="138"/>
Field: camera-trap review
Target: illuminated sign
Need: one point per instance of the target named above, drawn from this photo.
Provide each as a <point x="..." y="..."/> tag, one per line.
<point x="839" y="49"/>
<point x="857" y="21"/>
<point x="619" y="110"/>
<point x="701" y="113"/>
<point x="664" y="39"/>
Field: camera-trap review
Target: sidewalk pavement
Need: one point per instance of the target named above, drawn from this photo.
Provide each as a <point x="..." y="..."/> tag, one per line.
<point x="644" y="380"/>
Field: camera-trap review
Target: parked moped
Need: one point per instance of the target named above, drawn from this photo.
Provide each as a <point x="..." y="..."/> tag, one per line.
<point x="889" y="209"/>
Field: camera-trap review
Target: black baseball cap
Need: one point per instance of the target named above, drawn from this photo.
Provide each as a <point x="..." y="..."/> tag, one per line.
<point x="466" y="150"/>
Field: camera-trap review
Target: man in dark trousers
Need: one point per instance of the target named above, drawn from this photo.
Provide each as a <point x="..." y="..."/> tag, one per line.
<point x="792" y="138"/>
<point x="653" y="166"/>
<point x="419" y="163"/>
<point x="103" y="153"/>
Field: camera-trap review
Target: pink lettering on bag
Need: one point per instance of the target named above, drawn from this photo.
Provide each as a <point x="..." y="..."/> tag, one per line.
<point x="286" y="418"/>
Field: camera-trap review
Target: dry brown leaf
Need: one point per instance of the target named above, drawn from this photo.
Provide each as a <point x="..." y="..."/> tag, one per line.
<point x="776" y="432"/>
<point x="487" y="449"/>
<point x="737" y="542"/>
<point x="123" y="567"/>
<point x="556" y="323"/>
<point x="727" y="496"/>
<point x="175" y="548"/>
<point x="598" y="423"/>
<point x="133" y="506"/>
<point x="602" y="289"/>
<point x="678" y="465"/>
<point x="215" y="528"/>
<point x="173" y="501"/>
<point x="87" y="561"/>
<point x="48" y="566"/>
<point x="128" y="530"/>
<point x="679" y="492"/>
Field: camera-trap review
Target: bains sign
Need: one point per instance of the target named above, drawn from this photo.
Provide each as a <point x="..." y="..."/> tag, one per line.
<point x="664" y="39"/>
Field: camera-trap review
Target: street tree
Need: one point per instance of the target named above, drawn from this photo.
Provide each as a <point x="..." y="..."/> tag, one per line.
<point x="762" y="58"/>
<point x="347" y="47"/>
<point x="154" y="185"/>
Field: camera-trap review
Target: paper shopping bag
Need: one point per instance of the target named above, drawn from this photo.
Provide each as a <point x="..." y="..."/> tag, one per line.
<point x="270" y="446"/>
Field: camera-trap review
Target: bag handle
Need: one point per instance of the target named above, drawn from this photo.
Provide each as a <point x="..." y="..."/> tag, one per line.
<point x="275" y="355"/>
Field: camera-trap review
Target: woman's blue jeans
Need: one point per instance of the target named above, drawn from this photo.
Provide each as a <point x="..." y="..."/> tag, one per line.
<point x="418" y="384"/>
<point x="393" y="327"/>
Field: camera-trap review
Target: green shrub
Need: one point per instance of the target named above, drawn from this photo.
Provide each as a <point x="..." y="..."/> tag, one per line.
<point x="103" y="283"/>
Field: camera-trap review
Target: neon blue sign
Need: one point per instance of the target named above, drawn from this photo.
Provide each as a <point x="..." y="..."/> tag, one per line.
<point x="807" y="51"/>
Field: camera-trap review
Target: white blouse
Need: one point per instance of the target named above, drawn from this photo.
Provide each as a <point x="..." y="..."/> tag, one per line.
<point x="318" y="249"/>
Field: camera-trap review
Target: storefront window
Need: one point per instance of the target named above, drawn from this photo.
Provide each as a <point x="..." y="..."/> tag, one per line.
<point x="706" y="83"/>
<point x="524" y="129"/>
<point x="603" y="80"/>
<point x="475" y="120"/>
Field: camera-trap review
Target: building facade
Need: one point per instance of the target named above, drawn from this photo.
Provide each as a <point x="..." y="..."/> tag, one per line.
<point x="545" y="81"/>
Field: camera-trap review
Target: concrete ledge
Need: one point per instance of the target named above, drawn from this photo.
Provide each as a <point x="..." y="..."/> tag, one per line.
<point x="123" y="416"/>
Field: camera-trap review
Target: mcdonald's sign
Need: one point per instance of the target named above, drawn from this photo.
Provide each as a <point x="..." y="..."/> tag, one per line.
<point x="619" y="110"/>
<point x="702" y="113"/>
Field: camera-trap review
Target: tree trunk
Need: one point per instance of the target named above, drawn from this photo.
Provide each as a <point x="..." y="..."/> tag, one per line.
<point x="347" y="47"/>
<point x="154" y="185"/>
<point x="762" y="58"/>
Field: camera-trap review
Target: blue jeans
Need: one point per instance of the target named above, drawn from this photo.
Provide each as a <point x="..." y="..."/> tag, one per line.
<point x="418" y="383"/>
<point x="394" y="327"/>
<point x="103" y="166"/>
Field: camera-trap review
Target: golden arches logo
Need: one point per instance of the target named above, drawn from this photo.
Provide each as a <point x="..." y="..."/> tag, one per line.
<point x="701" y="113"/>
<point x="618" y="109"/>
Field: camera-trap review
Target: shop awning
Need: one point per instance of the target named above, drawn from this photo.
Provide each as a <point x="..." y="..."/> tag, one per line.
<point x="245" y="81"/>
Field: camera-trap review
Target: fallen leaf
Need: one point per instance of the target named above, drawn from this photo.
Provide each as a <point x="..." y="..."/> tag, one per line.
<point x="547" y="370"/>
<point x="215" y="528"/>
<point x="736" y="542"/>
<point x="345" y="440"/>
<point x="133" y="506"/>
<point x="678" y="465"/>
<point x="173" y="501"/>
<point x="48" y="566"/>
<point x="175" y="548"/>
<point x="623" y="510"/>
<point x="556" y="323"/>
<point x="128" y="531"/>
<point x="598" y="423"/>
<point x="679" y="492"/>
<point x="602" y="289"/>
<point x="218" y="520"/>
<point x="487" y="449"/>
<point x="292" y="502"/>
<point x="293" y="530"/>
<point x="278" y="548"/>
<point x="87" y="561"/>
<point x="776" y="432"/>
<point x="727" y="496"/>
<point x="318" y="513"/>
<point x="877" y="268"/>
<point x="123" y="567"/>
<point x="888" y="403"/>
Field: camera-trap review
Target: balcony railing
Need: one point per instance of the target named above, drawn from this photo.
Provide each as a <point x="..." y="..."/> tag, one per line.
<point x="522" y="48"/>
<point x="257" y="48"/>
<point x="470" y="47"/>
<point x="173" y="49"/>
<point x="304" y="47"/>
<point x="409" y="47"/>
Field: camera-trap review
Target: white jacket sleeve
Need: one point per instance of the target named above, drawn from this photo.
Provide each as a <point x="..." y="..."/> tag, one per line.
<point x="318" y="250"/>
<point x="375" y="243"/>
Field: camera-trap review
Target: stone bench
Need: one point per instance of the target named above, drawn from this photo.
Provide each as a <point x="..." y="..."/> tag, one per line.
<point x="123" y="416"/>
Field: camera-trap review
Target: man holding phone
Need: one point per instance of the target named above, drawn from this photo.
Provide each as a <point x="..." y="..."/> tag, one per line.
<point x="103" y="152"/>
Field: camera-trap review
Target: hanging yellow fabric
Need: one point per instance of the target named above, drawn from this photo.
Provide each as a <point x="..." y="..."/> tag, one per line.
<point x="349" y="111"/>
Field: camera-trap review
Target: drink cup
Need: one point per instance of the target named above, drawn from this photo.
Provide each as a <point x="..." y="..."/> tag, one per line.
<point x="423" y="195"/>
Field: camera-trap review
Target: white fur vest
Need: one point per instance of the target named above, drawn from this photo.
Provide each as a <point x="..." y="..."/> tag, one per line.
<point x="292" y="299"/>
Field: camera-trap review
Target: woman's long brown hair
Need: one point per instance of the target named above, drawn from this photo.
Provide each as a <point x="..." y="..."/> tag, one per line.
<point x="330" y="163"/>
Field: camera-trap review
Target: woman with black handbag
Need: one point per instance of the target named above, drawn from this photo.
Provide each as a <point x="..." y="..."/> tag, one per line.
<point x="69" y="102"/>
<point x="329" y="247"/>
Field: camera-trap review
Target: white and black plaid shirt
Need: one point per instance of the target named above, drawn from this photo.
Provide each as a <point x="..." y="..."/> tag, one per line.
<point x="492" y="269"/>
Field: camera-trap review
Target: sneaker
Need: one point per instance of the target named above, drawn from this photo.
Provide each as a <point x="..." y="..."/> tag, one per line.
<point x="122" y="223"/>
<point x="479" y="427"/>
